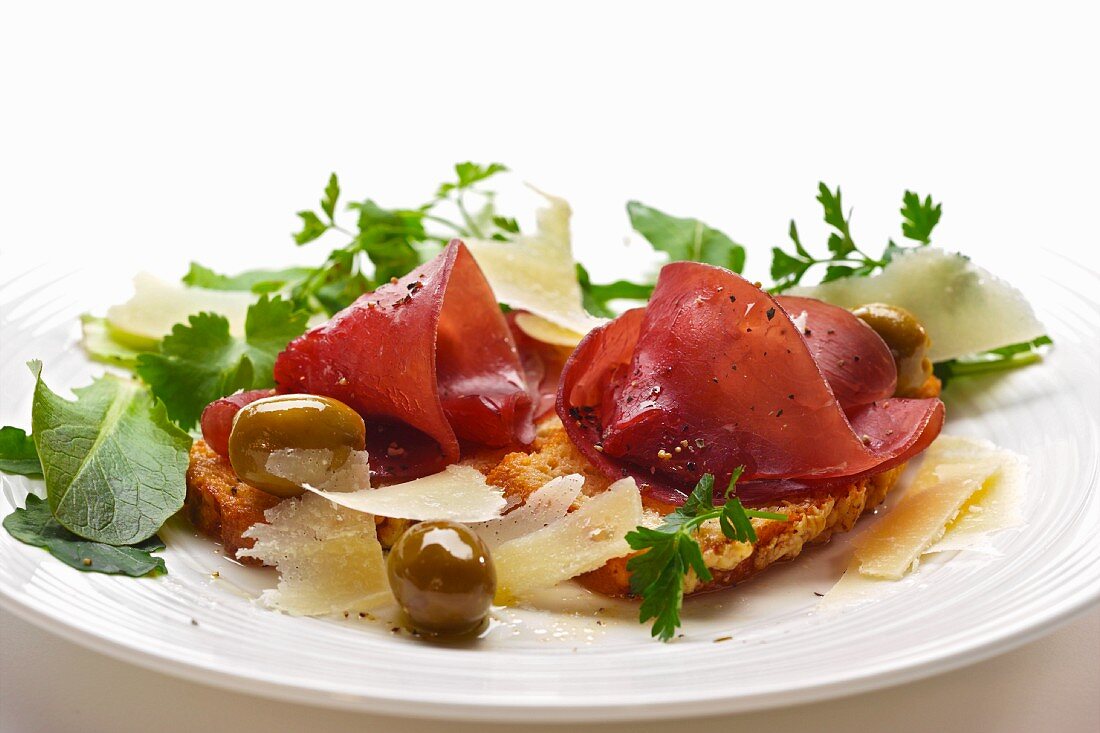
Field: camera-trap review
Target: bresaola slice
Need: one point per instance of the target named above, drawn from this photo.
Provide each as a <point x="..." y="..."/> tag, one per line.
<point x="428" y="360"/>
<point x="217" y="417"/>
<point x="714" y="374"/>
<point x="855" y="360"/>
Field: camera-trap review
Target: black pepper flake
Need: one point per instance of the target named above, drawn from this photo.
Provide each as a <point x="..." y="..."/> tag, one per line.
<point x="790" y="397"/>
<point x="691" y="465"/>
<point x="830" y="332"/>
<point x="770" y="313"/>
<point x="780" y="413"/>
<point x="748" y="330"/>
<point x="808" y="332"/>
<point x="855" y="358"/>
<point x="733" y="298"/>
<point x="819" y="595"/>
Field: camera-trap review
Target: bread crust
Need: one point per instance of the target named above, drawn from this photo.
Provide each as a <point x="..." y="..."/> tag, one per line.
<point x="222" y="506"/>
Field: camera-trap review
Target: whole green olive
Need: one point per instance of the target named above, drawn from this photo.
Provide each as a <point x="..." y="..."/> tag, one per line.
<point x="292" y="422"/>
<point x="907" y="340"/>
<point x="443" y="577"/>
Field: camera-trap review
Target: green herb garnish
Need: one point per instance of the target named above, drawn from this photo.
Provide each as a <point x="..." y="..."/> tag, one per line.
<point x="657" y="575"/>
<point x="685" y="238"/>
<point x="114" y="464"/>
<point x="17" y="452"/>
<point x="35" y="525"/>
<point x="255" y="281"/>
<point x="845" y="258"/>
<point x="995" y="360"/>
<point x="201" y="362"/>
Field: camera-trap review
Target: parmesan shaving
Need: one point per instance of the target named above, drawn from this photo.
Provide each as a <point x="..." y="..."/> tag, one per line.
<point x="577" y="543"/>
<point x="312" y="467"/>
<point x="536" y="273"/>
<point x="545" y="505"/>
<point x="458" y="494"/>
<point x="329" y="560"/>
<point x="965" y="308"/>
<point x="954" y="469"/>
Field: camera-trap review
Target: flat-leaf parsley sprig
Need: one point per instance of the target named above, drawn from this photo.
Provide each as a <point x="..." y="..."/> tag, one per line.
<point x="845" y="258"/>
<point x="657" y="575"/>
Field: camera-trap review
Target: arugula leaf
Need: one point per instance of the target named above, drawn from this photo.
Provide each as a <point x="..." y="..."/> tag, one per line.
<point x="200" y="362"/>
<point x="35" y="525"/>
<point x="670" y="550"/>
<point x="1003" y="359"/>
<point x="595" y="297"/>
<point x="255" y="281"/>
<point x="919" y="217"/>
<point x="17" y="452"/>
<point x="845" y="258"/>
<point x="113" y="463"/>
<point x="685" y="239"/>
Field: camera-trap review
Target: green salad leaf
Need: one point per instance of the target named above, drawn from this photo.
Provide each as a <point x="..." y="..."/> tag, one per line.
<point x="685" y="238"/>
<point x="201" y="361"/>
<point x="100" y="345"/>
<point x="671" y="550"/>
<point x="596" y="296"/>
<point x="35" y="525"/>
<point x="113" y="463"/>
<point x="1003" y="359"/>
<point x="17" y="452"/>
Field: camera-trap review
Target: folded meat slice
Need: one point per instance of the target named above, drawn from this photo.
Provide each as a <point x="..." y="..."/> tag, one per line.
<point x="428" y="360"/>
<point x="714" y="374"/>
<point x="855" y="360"/>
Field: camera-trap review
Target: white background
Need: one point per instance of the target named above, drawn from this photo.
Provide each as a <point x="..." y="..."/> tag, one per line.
<point x="143" y="135"/>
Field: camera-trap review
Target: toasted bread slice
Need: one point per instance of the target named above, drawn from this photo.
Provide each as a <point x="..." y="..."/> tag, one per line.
<point x="220" y="505"/>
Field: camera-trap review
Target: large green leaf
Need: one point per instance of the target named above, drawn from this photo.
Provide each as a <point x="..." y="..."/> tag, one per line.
<point x="113" y="462"/>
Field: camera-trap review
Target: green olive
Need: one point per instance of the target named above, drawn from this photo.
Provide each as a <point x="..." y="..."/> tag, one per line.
<point x="291" y="422"/>
<point x="442" y="575"/>
<point x="907" y="340"/>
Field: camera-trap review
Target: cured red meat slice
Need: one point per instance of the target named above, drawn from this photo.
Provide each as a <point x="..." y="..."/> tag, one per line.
<point x="542" y="363"/>
<point x="428" y="360"/>
<point x="217" y="417"/>
<point x="854" y="359"/>
<point x="713" y="375"/>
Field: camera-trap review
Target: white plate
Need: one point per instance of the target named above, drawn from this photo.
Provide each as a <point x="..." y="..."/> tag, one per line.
<point x="536" y="666"/>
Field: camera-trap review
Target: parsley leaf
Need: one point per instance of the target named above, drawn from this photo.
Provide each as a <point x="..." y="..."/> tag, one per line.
<point x="468" y="174"/>
<point x="35" y="525"/>
<point x="332" y="194"/>
<point x="387" y="236"/>
<point x="919" y="217"/>
<point x="312" y="227"/>
<point x="670" y="550"/>
<point x="17" y="452"/>
<point x="846" y="259"/>
<point x="256" y="281"/>
<point x="685" y="239"/>
<point x="199" y="362"/>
